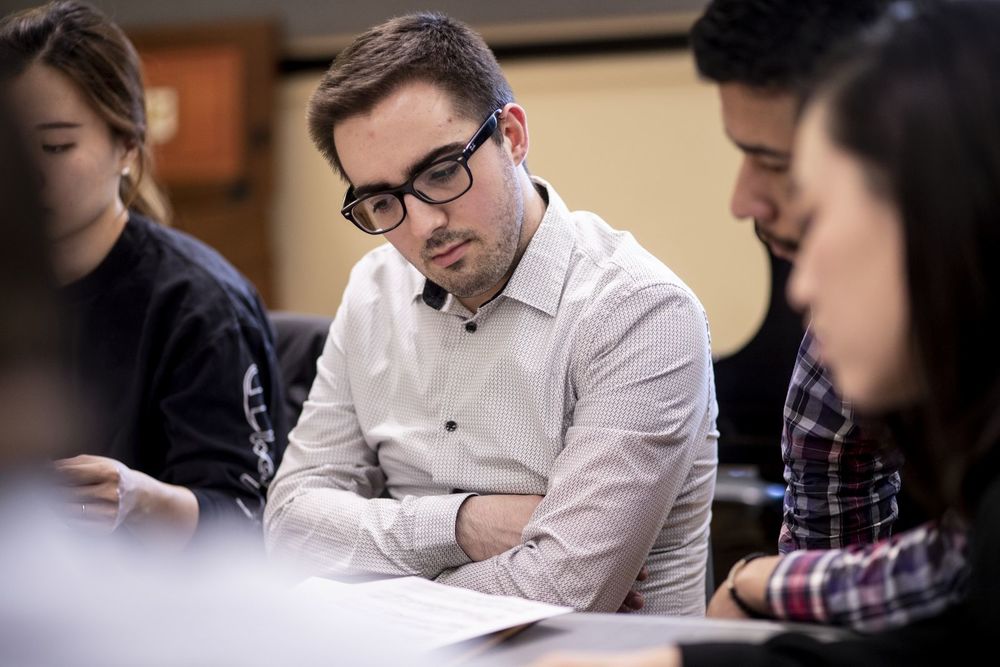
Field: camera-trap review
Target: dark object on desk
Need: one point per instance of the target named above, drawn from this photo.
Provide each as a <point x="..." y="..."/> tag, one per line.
<point x="300" y="340"/>
<point x="746" y="516"/>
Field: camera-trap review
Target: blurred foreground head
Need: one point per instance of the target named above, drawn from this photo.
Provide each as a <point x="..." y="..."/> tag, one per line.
<point x="33" y="405"/>
<point x="900" y="149"/>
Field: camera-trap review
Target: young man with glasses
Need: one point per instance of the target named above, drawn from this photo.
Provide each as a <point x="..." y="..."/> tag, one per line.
<point x="514" y="397"/>
<point x="839" y="563"/>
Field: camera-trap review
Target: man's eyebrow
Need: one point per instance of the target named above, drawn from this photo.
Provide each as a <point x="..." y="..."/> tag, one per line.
<point x="763" y="151"/>
<point x="414" y="169"/>
<point x="56" y="125"/>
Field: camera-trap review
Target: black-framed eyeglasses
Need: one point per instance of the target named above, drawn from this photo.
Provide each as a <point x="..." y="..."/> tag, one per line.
<point x="442" y="181"/>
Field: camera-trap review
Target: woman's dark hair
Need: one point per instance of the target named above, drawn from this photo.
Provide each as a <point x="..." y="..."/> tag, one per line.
<point x="95" y="54"/>
<point x="918" y="102"/>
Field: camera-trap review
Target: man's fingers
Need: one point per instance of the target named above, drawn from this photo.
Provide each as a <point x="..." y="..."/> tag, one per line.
<point x="633" y="602"/>
<point x="633" y="599"/>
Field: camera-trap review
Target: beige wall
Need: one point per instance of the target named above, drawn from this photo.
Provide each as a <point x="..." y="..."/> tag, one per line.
<point x="635" y="138"/>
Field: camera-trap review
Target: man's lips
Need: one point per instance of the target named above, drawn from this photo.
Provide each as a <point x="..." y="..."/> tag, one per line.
<point x="779" y="247"/>
<point x="451" y="254"/>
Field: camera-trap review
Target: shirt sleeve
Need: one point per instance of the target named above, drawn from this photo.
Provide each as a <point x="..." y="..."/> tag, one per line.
<point x="961" y="635"/>
<point x="894" y="582"/>
<point x="644" y="410"/>
<point x="324" y="509"/>
<point x="225" y="429"/>
<point x="841" y="481"/>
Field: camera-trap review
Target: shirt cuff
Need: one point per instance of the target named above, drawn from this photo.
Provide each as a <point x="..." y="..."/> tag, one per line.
<point x="795" y="591"/>
<point x="434" y="530"/>
<point x="216" y="506"/>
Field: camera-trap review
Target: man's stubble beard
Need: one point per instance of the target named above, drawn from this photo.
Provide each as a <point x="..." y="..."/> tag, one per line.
<point x="495" y="261"/>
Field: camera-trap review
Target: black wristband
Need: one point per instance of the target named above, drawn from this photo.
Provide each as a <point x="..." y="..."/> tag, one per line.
<point x="731" y="585"/>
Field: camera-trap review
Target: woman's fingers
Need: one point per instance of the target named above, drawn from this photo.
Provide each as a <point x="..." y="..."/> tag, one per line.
<point x="92" y="493"/>
<point x="102" y="515"/>
<point x="87" y="470"/>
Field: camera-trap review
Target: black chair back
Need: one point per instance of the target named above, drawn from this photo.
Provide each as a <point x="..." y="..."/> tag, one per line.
<point x="300" y="340"/>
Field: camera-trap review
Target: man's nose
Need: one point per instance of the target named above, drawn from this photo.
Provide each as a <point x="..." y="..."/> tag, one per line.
<point x="423" y="218"/>
<point x="750" y="200"/>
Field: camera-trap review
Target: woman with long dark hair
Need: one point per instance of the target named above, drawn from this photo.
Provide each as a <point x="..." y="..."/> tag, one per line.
<point x="898" y="171"/>
<point x="169" y="343"/>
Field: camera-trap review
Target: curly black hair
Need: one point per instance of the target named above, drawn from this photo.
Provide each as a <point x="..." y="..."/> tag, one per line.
<point x="774" y="44"/>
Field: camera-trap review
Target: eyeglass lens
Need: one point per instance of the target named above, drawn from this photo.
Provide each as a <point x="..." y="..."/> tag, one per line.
<point x="439" y="183"/>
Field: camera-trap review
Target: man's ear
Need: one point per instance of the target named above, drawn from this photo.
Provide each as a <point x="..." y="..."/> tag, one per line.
<point x="514" y="126"/>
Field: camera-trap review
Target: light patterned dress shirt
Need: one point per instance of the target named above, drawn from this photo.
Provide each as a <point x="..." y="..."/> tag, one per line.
<point x="588" y="380"/>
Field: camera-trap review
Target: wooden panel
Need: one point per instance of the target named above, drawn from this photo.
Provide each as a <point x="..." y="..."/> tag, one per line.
<point x="197" y="126"/>
<point x="225" y="200"/>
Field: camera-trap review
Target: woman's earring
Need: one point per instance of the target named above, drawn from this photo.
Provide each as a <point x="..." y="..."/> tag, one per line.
<point x="126" y="171"/>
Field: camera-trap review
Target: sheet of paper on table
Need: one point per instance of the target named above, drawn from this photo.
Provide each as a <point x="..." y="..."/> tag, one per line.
<point x="424" y="614"/>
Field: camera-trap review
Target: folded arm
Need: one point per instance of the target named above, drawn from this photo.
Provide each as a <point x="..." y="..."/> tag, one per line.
<point x="324" y="509"/>
<point x="643" y="413"/>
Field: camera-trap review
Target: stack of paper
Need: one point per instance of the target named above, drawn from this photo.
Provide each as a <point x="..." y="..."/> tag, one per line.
<point x="425" y="615"/>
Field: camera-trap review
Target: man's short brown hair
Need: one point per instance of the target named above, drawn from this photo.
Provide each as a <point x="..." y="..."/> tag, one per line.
<point x="424" y="46"/>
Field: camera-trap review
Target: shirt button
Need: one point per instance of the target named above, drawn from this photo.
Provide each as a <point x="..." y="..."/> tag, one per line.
<point x="450" y="426"/>
<point x="471" y="327"/>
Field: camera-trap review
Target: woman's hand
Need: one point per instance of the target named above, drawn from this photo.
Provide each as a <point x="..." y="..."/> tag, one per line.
<point x="100" y="492"/>
<point x="103" y="494"/>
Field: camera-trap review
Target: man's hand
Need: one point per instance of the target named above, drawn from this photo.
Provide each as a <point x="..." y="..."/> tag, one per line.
<point x="103" y="494"/>
<point x="487" y="526"/>
<point x="751" y="585"/>
<point x="634" y="600"/>
<point x="667" y="656"/>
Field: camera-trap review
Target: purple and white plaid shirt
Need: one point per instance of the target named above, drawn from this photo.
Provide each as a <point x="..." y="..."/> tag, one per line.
<point x="894" y="582"/>
<point x="842" y="485"/>
<point x="840" y="500"/>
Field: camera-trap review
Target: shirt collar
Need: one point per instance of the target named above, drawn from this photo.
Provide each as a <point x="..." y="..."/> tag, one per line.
<point x="540" y="276"/>
<point x="433" y="294"/>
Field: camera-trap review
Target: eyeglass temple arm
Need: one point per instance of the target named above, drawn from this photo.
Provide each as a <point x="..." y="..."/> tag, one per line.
<point x="484" y="133"/>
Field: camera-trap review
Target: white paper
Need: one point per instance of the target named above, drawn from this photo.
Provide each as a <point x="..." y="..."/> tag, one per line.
<point x="425" y="614"/>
